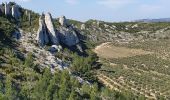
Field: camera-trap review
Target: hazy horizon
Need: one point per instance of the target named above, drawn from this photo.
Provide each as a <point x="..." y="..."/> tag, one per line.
<point x="105" y="10"/>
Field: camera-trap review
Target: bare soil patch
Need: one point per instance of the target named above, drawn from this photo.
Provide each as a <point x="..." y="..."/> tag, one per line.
<point x="107" y="50"/>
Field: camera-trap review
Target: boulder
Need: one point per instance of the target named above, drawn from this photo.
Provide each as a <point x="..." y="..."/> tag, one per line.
<point x="51" y="29"/>
<point x="63" y="21"/>
<point x="55" y="48"/>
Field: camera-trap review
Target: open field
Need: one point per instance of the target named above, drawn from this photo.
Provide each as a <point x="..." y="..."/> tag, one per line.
<point x="142" y="68"/>
<point x="107" y="50"/>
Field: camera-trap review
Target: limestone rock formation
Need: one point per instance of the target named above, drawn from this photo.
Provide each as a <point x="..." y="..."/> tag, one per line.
<point x="10" y="10"/>
<point x="51" y="29"/>
<point x="68" y="36"/>
<point x="63" y="21"/>
<point x="67" y="33"/>
<point x="42" y="37"/>
<point x="7" y="9"/>
<point x="15" y="11"/>
<point x="46" y="32"/>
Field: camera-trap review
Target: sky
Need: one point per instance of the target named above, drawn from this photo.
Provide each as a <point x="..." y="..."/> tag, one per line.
<point x="105" y="10"/>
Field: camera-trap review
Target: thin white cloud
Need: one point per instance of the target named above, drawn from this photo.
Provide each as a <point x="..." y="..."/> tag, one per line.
<point x="72" y="2"/>
<point x="115" y="3"/>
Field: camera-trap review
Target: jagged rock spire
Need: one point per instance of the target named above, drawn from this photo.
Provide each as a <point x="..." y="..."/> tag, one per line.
<point x="42" y="37"/>
<point x="46" y="32"/>
<point x="7" y="9"/>
<point x="51" y="29"/>
<point x="15" y="11"/>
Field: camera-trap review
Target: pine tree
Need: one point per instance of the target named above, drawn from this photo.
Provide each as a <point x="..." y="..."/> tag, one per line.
<point x="10" y="93"/>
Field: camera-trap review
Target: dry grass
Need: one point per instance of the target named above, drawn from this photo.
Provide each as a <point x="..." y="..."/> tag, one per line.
<point x="107" y="50"/>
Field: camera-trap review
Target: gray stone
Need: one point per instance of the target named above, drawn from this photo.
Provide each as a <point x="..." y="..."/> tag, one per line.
<point x="63" y="21"/>
<point x="1" y="9"/>
<point x="51" y="29"/>
<point x="55" y="48"/>
<point x="29" y="18"/>
<point x="42" y="37"/>
<point x="68" y="36"/>
<point x="15" y="11"/>
<point x="83" y="27"/>
<point x="7" y="9"/>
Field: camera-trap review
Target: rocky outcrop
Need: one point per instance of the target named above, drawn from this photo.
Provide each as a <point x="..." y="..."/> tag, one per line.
<point x="46" y="32"/>
<point x="63" y="21"/>
<point x="10" y="10"/>
<point x="67" y="34"/>
<point x="15" y="11"/>
<point x="51" y="29"/>
<point x="7" y="9"/>
<point x="42" y="37"/>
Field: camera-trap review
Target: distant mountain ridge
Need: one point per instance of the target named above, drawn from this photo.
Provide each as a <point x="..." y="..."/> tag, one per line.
<point x="154" y="20"/>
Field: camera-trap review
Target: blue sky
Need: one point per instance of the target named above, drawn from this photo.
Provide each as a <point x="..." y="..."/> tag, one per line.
<point x="106" y="10"/>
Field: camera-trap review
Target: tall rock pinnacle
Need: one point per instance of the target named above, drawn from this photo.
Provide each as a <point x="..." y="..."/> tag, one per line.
<point x="7" y="9"/>
<point x="51" y="29"/>
<point x="42" y="37"/>
<point x="15" y="11"/>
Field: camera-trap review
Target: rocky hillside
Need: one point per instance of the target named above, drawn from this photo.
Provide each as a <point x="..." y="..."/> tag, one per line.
<point x="42" y="57"/>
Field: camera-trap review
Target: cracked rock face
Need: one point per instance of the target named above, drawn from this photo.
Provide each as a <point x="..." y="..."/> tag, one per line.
<point x="68" y="36"/>
<point x="42" y="37"/>
<point x="51" y="29"/>
<point x="46" y="32"/>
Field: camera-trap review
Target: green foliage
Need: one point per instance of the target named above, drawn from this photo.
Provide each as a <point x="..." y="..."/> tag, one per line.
<point x="29" y="61"/>
<point x="6" y="28"/>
